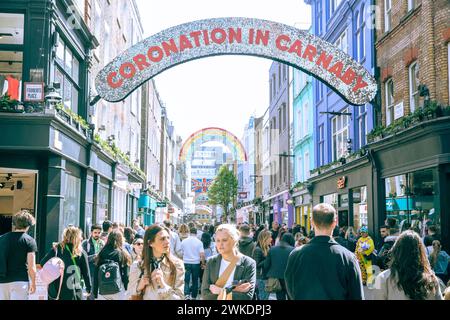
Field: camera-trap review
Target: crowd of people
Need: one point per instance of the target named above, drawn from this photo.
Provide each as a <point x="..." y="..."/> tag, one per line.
<point x="227" y="262"/>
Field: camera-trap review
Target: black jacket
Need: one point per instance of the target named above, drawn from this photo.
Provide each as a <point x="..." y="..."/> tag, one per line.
<point x="71" y="288"/>
<point x="247" y="246"/>
<point x="109" y="253"/>
<point x="245" y="270"/>
<point x="276" y="261"/>
<point x="323" y="270"/>
<point x="259" y="259"/>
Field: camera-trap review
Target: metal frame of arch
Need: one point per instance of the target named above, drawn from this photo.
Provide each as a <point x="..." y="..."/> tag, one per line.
<point x="236" y="36"/>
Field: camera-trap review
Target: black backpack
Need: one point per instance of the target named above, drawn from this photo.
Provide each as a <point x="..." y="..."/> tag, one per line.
<point x="109" y="278"/>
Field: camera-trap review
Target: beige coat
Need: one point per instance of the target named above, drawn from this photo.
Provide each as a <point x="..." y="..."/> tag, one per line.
<point x="168" y="293"/>
<point x="385" y="288"/>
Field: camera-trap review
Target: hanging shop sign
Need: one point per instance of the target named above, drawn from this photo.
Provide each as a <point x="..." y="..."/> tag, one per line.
<point x="236" y="36"/>
<point x="341" y="183"/>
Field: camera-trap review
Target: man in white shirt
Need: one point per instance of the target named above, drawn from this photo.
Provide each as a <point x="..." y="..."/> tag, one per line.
<point x="193" y="256"/>
<point x="175" y="243"/>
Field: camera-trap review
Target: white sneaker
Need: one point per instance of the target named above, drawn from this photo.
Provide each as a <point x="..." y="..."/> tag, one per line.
<point x="188" y="297"/>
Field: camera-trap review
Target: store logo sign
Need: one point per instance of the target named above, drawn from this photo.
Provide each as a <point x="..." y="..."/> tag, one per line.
<point x="341" y="183"/>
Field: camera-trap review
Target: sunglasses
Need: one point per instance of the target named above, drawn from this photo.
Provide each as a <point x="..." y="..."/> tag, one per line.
<point x="139" y="243"/>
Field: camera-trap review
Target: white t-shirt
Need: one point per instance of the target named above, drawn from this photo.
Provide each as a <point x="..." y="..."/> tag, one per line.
<point x="192" y="247"/>
<point x="223" y="265"/>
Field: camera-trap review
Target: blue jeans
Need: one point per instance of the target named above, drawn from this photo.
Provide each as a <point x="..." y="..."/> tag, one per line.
<point x="194" y="271"/>
<point x="261" y="287"/>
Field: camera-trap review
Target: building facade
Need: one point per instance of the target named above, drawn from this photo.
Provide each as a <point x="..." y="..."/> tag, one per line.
<point x="341" y="129"/>
<point x="279" y="149"/>
<point x="410" y="149"/>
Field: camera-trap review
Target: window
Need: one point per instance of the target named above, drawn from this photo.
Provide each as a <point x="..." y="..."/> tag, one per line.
<point x="279" y="120"/>
<point x="67" y="70"/>
<point x="274" y="85"/>
<point x="319" y="17"/>
<point x="387" y="15"/>
<point x="389" y="89"/>
<point x="362" y="125"/>
<point x="271" y="91"/>
<point x="321" y="146"/>
<point x="298" y="134"/>
<point x="299" y="169"/>
<point x="340" y="135"/>
<point x="414" y="86"/>
<point x="279" y="75"/>
<point x="106" y="44"/>
<point x="284" y="117"/>
<point x="305" y="118"/>
<point x="360" y="40"/>
<point x="412" y="4"/>
<point x="341" y="42"/>
<point x="306" y="166"/>
<point x="102" y="201"/>
<point x="359" y="200"/>
<point x="71" y="205"/>
<point x="284" y="72"/>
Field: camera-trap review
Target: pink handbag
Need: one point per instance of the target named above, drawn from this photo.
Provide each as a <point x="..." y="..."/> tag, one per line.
<point x="52" y="270"/>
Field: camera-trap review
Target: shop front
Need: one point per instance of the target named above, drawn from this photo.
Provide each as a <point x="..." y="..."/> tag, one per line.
<point x="414" y="178"/>
<point x="281" y="209"/>
<point x="303" y="208"/>
<point x="348" y="188"/>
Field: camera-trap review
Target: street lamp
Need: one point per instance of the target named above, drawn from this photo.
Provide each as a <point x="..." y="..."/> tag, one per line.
<point x="284" y="154"/>
<point x="52" y="98"/>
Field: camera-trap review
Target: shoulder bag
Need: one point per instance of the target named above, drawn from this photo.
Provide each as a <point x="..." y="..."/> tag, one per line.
<point x="221" y="282"/>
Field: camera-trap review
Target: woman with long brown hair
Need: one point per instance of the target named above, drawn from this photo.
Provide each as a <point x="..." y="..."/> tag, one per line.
<point x="261" y="252"/>
<point x="410" y="276"/>
<point x="160" y="275"/>
<point x="75" y="260"/>
<point x="113" y="252"/>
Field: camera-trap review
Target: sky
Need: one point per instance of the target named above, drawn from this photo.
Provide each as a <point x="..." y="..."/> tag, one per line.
<point x="222" y="91"/>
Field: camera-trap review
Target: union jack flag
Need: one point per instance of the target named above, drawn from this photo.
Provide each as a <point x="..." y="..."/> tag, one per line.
<point x="201" y="185"/>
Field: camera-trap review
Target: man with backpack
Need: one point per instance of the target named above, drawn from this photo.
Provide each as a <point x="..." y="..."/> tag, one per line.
<point x="92" y="246"/>
<point x="17" y="259"/>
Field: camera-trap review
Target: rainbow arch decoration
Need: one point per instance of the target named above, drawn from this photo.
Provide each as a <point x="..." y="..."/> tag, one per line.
<point x="204" y="135"/>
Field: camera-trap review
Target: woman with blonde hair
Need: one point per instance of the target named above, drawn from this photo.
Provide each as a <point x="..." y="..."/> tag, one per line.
<point x="160" y="275"/>
<point x="183" y="231"/>
<point x="261" y="252"/>
<point x="229" y="275"/>
<point x="75" y="260"/>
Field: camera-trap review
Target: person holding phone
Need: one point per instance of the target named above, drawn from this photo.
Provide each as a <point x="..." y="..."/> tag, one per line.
<point x="229" y="275"/>
<point x="160" y="275"/>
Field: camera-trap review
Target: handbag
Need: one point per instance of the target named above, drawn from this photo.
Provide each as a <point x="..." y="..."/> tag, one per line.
<point x="273" y="285"/>
<point x="222" y="281"/>
<point x="52" y="270"/>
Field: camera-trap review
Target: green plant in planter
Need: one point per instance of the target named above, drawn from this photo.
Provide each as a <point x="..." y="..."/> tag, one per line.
<point x="8" y="104"/>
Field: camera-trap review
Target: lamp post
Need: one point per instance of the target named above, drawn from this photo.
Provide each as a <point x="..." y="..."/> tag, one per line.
<point x="52" y="98"/>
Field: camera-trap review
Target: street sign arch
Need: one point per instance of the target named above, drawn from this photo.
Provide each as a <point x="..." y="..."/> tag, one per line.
<point x="236" y="36"/>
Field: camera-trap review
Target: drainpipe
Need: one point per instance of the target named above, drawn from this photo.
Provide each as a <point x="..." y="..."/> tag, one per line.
<point x="374" y="175"/>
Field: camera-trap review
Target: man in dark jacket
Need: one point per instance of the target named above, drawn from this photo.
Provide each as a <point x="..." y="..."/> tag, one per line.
<point x="384" y="256"/>
<point x="92" y="247"/>
<point x="246" y="244"/>
<point x="322" y="269"/>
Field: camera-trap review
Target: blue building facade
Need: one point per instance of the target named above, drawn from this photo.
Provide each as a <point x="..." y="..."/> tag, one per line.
<point x="346" y="24"/>
<point x="344" y="174"/>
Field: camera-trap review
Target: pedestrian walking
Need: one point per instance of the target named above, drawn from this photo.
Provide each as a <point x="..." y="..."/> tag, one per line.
<point x="160" y="275"/>
<point x="112" y="267"/>
<point x="276" y="262"/>
<point x="365" y="254"/>
<point x="138" y="246"/>
<point x="183" y="231"/>
<point x="128" y="235"/>
<point x="274" y="231"/>
<point x="92" y="247"/>
<point x="230" y="275"/>
<point x="246" y="244"/>
<point x="107" y="227"/>
<point x="193" y="257"/>
<point x="175" y="242"/>
<point x="385" y="253"/>
<point x="260" y="255"/>
<point x="136" y="227"/>
<point x="323" y="269"/>
<point x="439" y="260"/>
<point x="410" y="276"/>
<point x="76" y="270"/>
<point x="350" y="239"/>
<point x="18" y="259"/>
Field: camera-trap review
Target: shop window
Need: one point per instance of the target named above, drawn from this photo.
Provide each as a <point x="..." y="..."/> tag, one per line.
<point x="359" y="201"/>
<point x="71" y="207"/>
<point x="11" y="55"/>
<point x="341" y="42"/>
<point x="412" y="200"/>
<point x="67" y="72"/>
<point x="102" y="202"/>
<point x="331" y="199"/>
